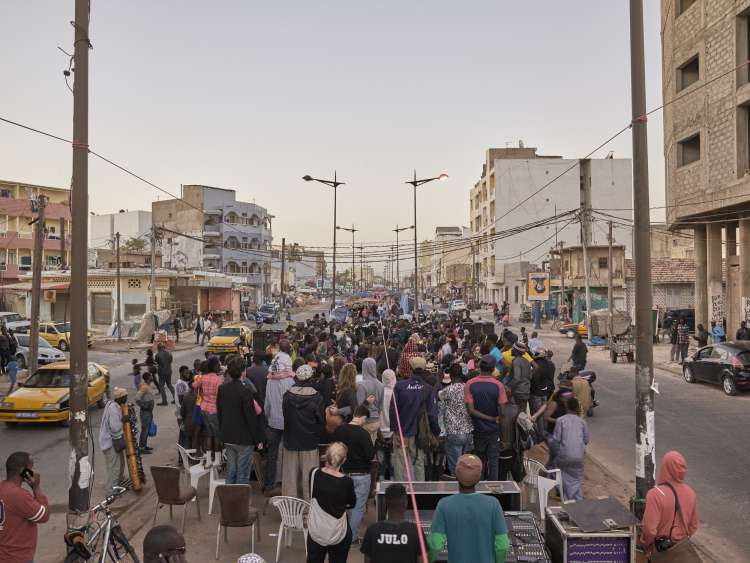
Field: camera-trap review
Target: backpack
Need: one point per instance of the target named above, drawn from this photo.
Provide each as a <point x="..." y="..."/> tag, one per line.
<point x="526" y="433"/>
<point x="425" y="439"/>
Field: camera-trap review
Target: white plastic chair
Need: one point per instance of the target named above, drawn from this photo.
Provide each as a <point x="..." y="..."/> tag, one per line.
<point x="293" y="512"/>
<point x="213" y="482"/>
<point x="192" y="465"/>
<point x="541" y="485"/>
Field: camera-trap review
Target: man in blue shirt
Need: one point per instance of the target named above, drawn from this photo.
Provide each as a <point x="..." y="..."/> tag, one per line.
<point x="472" y="524"/>
<point x="717" y="333"/>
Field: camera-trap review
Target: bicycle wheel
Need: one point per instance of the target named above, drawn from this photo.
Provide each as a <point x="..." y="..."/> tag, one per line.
<point x="119" y="548"/>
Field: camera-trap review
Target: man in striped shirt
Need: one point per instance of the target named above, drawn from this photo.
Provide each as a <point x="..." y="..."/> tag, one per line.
<point x="20" y="510"/>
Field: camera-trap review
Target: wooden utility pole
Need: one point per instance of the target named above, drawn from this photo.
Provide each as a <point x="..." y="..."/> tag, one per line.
<point x="645" y="466"/>
<point x="119" y="288"/>
<point x="153" y="270"/>
<point x="610" y="290"/>
<point x="283" y="272"/>
<point x="80" y="462"/>
<point x="36" y="281"/>
<point x="585" y="230"/>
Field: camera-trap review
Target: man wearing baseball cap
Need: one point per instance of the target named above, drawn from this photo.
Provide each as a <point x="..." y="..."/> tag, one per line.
<point x="472" y="524"/>
<point x="485" y="397"/>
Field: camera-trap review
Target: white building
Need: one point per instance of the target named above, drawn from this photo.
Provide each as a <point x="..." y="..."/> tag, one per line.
<point x="130" y="224"/>
<point x="511" y="175"/>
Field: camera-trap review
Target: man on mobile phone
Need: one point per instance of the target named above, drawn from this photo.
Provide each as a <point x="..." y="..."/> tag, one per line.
<point x="20" y="510"/>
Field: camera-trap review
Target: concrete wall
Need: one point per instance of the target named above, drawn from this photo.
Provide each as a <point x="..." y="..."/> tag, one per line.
<point x="129" y="224"/>
<point x="612" y="192"/>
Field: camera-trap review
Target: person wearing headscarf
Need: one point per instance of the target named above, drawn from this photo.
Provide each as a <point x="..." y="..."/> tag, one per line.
<point x="384" y="443"/>
<point x="370" y="394"/>
<point x="661" y="518"/>
<point x="410" y="351"/>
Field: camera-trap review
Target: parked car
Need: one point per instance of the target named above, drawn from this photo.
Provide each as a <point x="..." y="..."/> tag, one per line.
<point x="229" y="339"/>
<point x="58" y="334"/>
<point x="14" y="321"/>
<point x="457" y="306"/>
<point x="45" y="396"/>
<point x="47" y="354"/>
<point x="726" y="364"/>
<point x="269" y="313"/>
<point x="570" y="329"/>
<point x="674" y="315"/>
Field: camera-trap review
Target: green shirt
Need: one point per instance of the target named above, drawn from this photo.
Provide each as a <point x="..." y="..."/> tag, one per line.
<point x="474" y="527"/>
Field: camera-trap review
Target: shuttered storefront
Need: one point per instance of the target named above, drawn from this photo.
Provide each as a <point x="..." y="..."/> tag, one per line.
<point x="101" y="308"/>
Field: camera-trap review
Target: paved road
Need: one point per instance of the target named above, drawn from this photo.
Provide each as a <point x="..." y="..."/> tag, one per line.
<point x="700" y="421"/>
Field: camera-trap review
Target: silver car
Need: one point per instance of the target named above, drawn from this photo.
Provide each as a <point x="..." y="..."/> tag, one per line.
<point x="47" y="354"/>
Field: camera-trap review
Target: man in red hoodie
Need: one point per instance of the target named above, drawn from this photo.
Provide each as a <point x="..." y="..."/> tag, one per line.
<point x="662" y="519"/>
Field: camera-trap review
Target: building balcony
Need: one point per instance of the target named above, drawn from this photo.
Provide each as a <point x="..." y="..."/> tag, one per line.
<point x="211" y="253"/>
<point x="211" y="231"/>
<point x="25" y="241"/>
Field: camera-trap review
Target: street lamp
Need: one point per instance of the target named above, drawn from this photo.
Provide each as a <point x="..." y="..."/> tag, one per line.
<point x="415" y="184"/>
<point x="352" y="231"/>
<point x="398" y="276"/>
<point x="331" y="184"/>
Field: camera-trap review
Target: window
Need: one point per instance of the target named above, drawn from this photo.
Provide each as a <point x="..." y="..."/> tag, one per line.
<point x="516" y="288"/>
<point x="5" y="193"/>
<point x="25" y="260"/>
<point x="683" y="5"/>
<point x="688" y="73"/>
<point x="689" y="150"/>
<point x="603" y="262"/>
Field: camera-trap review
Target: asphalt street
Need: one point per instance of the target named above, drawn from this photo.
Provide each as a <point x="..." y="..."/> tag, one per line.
<point x="699" y="421"/>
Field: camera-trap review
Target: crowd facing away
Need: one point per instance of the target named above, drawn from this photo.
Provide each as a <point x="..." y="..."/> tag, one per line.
<point x="328" y="409"/>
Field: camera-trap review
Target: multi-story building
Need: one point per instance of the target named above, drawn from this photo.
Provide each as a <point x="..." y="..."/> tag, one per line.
<point x="498" y="204"/>
<point x="706" y="95"/>
<point x="677" y="244"/>
<point x="425" y="267"/>
<point x="451" y="247"/>
<point x="17" y="236"/>
<point x="130" y="225"/>
<point x="209" y="229"/>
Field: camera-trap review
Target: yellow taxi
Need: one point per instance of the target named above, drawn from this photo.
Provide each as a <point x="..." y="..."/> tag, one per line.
<point x="44" y="396"/>
<point x="570" y="329"/>
<point x="58" y="335"/>
<point x="229" y="339"/>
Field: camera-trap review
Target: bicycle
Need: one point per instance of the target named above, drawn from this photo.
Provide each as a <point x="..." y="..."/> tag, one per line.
<point x="101" y="539"/>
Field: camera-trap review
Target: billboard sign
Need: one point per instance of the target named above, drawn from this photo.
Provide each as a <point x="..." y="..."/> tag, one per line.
<point x="537" y="288"/>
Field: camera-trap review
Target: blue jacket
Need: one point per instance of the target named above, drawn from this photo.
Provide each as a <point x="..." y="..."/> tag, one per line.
<point x="409" y="395"/>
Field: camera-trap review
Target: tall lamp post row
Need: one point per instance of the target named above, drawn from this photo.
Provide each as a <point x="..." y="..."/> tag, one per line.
<point x="398" y="275"/>
<point x="415" y="183"/>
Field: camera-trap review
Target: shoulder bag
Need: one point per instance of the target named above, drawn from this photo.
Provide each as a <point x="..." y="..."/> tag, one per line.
<point x="681" y="552"/>
<point x="323" y="528"/>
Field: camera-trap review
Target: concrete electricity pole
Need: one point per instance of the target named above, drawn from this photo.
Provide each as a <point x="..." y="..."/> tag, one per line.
<point x="153" y="270"/>
<point x="36" y="281"/>
<point x="119" y="288"/>
<point x="563" y="300"/>
<point x="645" y="464"/>
<point x="80" y="462"/>
<point x="585" y="230"/>
<point x="610" y="290"/>
<point x="283" y="272"/>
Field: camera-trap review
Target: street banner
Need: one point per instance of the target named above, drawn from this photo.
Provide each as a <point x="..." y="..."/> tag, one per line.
<point x="537" y="288"/>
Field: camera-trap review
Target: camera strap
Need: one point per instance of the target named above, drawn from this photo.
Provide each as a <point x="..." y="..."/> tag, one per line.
<point x="676" y="509"/>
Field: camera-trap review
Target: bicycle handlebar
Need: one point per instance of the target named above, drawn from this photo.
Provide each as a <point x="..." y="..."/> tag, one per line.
<point x="117" y="491"/>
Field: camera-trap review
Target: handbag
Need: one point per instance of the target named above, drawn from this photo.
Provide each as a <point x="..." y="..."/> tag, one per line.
<point x="684" y="550"/>
<point x="152" y="429"/>
<point x="323" y="528"/>
<point x="118" y="444"/>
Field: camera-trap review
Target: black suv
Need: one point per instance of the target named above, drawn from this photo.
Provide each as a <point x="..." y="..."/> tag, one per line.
<point x="675" y="315"/>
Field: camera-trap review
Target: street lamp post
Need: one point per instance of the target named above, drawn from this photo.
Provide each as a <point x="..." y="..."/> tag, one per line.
<point x="415" y="184"/>
<point x="352" y="230"/>
<point x="331" y="184"/>
<point x="398" y="276"/>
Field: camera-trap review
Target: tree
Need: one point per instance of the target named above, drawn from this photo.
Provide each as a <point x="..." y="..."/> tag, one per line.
<point x="135" y="245"/>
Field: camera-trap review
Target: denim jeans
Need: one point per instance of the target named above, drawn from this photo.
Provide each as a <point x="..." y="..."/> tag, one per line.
<point x="274" y="443"/>
<point x="455" y="446"/>
<point x="147" y="417"/>
<point x="487" y="448"/>
<point x="362" y="491"/>
<point x="238" y="464"/>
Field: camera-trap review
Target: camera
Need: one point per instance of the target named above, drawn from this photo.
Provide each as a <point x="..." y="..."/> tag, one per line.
<point x="663" y="543"/>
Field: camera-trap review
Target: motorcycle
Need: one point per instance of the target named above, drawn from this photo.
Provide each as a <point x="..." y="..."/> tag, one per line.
<point x="590" y="377"/>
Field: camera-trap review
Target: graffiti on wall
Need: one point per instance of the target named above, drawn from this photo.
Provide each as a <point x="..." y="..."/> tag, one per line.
<point x="717" y="308"/>
<point x="746" y="308"/>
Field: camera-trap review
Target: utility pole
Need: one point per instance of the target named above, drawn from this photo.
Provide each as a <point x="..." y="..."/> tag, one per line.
<point x="36" y="281"/>
<point x="80" y="464"/>
<point x="645" y="466"/>
<point x="153" y="270"/>
<point x="283" y="272"/>
<point x="119" y="288"/>
<point x="585" y="229"/>
<point x="62" y="242"/>
<point x="610" y="290"/>
<point x="563" y="300"/>
<point x="361" y="266"/>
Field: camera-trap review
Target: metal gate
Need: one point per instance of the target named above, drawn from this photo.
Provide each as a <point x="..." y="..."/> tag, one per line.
<point x="101" y="308"/>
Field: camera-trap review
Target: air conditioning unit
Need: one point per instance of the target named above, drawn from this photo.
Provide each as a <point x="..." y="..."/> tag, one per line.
<point x="50" y="295"/>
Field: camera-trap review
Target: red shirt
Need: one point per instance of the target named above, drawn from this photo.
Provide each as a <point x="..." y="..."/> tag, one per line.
<point x="20" y="512"/>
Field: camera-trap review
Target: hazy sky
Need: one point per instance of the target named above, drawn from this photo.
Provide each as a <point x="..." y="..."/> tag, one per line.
<point x="253" y="95"/>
